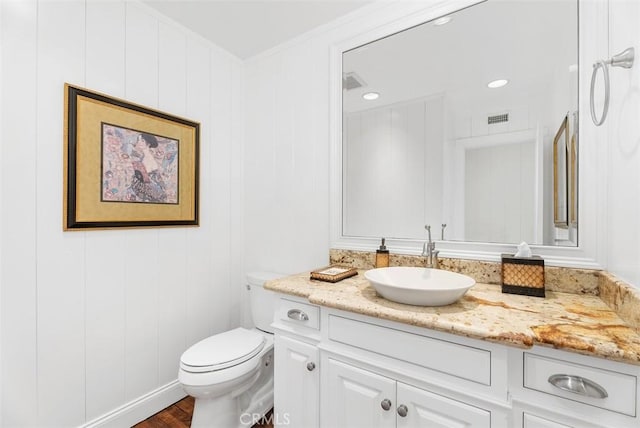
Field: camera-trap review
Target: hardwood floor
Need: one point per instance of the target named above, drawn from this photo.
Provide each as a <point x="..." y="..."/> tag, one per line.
<point x="178" y="415"/>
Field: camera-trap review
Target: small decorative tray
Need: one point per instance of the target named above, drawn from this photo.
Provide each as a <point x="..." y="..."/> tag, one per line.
<point x="333" y="273"/>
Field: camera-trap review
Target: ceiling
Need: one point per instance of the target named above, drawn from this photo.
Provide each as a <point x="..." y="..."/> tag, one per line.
<point x="482" y="43"/>
<point x="247" y="28"/>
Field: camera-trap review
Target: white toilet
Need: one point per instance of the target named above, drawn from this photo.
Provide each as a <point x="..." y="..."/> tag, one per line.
<point x="230" y="374"/>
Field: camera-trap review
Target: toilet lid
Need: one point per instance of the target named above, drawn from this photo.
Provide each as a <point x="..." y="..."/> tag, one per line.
<point x="222" y="350"/>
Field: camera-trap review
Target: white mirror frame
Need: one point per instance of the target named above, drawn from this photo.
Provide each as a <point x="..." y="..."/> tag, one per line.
<point x="393" y="17"/>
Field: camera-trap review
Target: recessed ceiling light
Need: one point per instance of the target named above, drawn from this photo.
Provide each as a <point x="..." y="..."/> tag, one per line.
<point x="370" y="96"/>
<point x="497" y="83"/>
<point x="442" y="21"/>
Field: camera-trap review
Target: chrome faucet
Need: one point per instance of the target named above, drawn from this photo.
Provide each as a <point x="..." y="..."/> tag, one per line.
<point x="429" y="251"/>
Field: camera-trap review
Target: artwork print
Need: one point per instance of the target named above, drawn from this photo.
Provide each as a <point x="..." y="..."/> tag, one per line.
<point x="138" y="167"/>
<point x="126" y="165"/>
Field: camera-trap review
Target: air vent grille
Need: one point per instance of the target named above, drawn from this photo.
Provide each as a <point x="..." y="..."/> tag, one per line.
<point x="352" y="81"/>
<point x="498" y="118"/>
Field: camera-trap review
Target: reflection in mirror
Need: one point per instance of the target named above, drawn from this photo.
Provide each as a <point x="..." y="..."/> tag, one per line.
<point x="446" y="142"/>
<point x="560" y="179"/>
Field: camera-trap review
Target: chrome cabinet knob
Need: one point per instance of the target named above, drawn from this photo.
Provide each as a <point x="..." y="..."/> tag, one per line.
<point x="311" y="366"/>
<point x="386" y="404"/>
<point x="402" y="410"/>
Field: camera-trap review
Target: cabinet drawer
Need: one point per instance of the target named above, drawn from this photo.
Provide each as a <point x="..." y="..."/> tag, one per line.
<point x="451" y="358"/>
<point x="612" y="390"/>
<point x="531" y="421"/>
<point x="298" y="313"/>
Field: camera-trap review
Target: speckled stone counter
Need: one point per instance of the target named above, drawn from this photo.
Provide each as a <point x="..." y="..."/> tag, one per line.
<point x="580" y="323"/>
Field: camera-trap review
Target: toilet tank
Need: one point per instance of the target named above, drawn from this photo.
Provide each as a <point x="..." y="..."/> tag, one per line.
<point x="262" y="302"/>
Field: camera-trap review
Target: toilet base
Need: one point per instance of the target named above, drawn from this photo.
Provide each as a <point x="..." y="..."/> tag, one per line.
<point x="219" y="412"/>
<point x="229" y="411"/>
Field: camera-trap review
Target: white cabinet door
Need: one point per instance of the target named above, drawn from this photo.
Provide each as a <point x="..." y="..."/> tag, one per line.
<point x="358" y="398"/>
<point x="296" y="383"/>
<point x="419" y="408"/>
<point x="531" y="421"/>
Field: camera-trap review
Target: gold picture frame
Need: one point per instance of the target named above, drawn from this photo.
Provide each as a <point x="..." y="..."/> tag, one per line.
<point x="561" y="175"/>
<point x="126" y="165"/>
<point x="573" y="172"/>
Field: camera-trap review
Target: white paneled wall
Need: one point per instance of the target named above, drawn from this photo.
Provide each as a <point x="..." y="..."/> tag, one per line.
<point x="286" y="160"/>
<point x="394" y="155"/>
<point x="95" y="321"/>
<point x="623" y="227"/>
<point x="499" y="193"/>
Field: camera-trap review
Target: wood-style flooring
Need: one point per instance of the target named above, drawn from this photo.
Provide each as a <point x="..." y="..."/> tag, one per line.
<point x="178" y="415"/>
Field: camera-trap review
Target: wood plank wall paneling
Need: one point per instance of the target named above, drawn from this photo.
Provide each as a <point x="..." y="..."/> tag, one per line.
<point x="105" y="315"/>
<point x="19" y="109"/>
<point x="623" y="228"/>
<point x="398" y="144"/>
<point x="60" y="280"/>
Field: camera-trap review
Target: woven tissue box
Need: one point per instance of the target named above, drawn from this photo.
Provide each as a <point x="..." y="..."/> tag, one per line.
<point x="523" y="275"/>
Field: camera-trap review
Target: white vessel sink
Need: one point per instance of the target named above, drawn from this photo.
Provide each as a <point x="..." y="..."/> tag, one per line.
<point x="419" y="286"/>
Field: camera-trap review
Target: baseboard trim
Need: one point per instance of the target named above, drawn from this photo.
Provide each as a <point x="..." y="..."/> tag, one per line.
<point x="141" y="408"/>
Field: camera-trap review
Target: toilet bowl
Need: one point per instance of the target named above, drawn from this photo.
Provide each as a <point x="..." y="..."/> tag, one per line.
<point x="230" y="374"/>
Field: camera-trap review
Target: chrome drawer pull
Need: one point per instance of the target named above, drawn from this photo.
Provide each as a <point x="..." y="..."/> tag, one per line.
<point x="578" y="385"/>
<point x="298" y="315"/>
<point x="311" y="366"/>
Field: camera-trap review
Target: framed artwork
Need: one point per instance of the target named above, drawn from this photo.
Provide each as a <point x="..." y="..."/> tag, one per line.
<point x="573" y="172"/>
<point x="126" y="165"/>
<point x="561" y="175"/>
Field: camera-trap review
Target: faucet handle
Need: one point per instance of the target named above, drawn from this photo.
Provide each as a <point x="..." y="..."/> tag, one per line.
<point x="428" y="228"/>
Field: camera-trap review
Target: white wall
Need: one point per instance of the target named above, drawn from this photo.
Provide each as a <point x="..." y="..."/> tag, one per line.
<point x="94" y="320"/>
<point x="393" y="157"/>
<point x="500" y="193"/>
<point x="623" y="225"/>
<point x="286" y="159"/>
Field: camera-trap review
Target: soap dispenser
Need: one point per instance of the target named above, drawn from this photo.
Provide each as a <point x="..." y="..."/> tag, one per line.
<point x="382" y="256"/>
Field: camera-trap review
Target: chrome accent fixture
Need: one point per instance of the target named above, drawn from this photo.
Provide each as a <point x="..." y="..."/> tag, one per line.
<point x="578" y="385"/>
<point x="385" y="404"/>
<point x="625" y="60"/>
<point x="403" y="410"/>
<point x="298" y="315"/>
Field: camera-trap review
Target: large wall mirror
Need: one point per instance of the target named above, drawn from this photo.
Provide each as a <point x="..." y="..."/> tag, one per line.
<point x="452" y="123"/>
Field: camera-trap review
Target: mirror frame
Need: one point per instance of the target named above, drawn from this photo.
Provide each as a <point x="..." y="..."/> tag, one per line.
<point x="385" y="19"/>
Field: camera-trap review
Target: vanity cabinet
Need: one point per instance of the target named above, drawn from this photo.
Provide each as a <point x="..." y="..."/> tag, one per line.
<point x="362" y="398"/>
<point x="296" y="370"/>
<point x="378" y="373"/>
<point x="335" y="368"/>
<point x="297" y="383"/>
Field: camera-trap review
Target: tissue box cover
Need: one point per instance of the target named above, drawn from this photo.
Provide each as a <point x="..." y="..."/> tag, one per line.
<point x="523" y="275"/>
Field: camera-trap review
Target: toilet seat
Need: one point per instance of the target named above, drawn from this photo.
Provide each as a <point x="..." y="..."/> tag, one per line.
<point x="222" y="351"/>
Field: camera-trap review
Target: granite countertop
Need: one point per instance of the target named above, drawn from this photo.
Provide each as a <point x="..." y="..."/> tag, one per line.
<point x="572" y="322"/>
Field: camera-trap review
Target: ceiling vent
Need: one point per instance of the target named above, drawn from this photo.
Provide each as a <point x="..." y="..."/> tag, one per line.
<point x="498" y="118"/>
<point x="352" y="81"/>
